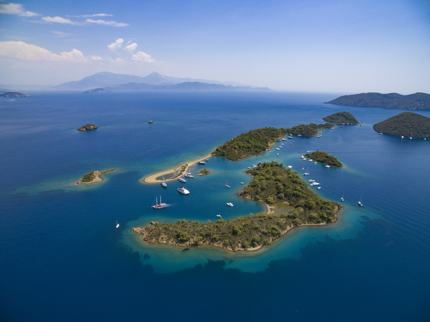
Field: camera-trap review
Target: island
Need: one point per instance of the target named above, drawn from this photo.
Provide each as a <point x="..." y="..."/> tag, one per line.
<point x="308" y="130"/>
<point x="324" y="158"/>
<point x="203" y="172"/>
<point x="94" y="177"/>
<point x="12" y="95"/>
<point x="88" y="127"/>
<point x="249" y="144"/>
<point x="290" y="203"/>
<point x="416" y="101"/>
<point x="341" y="118"/>
<point x="95" y="90"/>
<point x="406" y="124"/>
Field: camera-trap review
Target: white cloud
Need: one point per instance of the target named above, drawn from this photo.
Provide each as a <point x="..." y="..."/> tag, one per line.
<point x="141" y="56"/>
<point x="96" y="58"/>
<point x="103" y="22"/>
<point x="131" y="47"/>
<point x="57" y="19"/>
<point x="101" y="14"/>
<point x="26" y="51"/>
<point x="60" y="34"/>
<point x="116" y="44"/>
<point x="16" y="9"/>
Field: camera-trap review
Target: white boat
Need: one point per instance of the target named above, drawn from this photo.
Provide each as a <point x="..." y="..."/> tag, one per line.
<point x="290" y="167"/>
<point x="283" y="139"/>
<point x="117" y="225"/>
<point x="159" y="204"/>
<point x="230" y="204"/>
<point x="163" y="184"/>
<point x="278" y="149"/>
<point x="189" y="175"/>
<point x="306" y="173"/>
<point x="402" y="137"/>
<point x="410" y="138"/>
<point x="342" y="199"/>
<point x="360" y="204"/>
<point x="319" y="188"/>
<point x="182" y="180"/>
<point x="203" y="162"/>
<point x="327" y="166"/>
<point x="242" y="182"/>
<point x="227" y="186"/>
<point x="183" y="191"/>
<point x="219" y="216"/>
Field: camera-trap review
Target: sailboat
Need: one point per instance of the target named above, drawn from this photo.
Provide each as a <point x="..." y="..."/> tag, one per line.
<point x="159" y="204"/>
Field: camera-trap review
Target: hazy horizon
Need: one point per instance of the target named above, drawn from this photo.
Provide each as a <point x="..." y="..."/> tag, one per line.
<point x="298" y="46"/>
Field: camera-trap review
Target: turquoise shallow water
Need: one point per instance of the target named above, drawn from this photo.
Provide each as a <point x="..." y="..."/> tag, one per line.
<point x="63" y="260"/>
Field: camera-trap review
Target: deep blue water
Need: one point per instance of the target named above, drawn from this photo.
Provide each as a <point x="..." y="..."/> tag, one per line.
<point x="62" y="260"/>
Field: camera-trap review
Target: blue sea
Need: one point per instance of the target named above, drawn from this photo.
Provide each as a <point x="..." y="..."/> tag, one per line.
<point x="61" y="258"/>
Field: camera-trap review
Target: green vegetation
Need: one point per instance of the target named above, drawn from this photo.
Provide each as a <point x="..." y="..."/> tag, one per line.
<point x="89" y="177"/>
<point x="325" y="158"/>
<point x="308" y="130"/>
<point x="248" y="144"/>
<point x="416" y="101"/>
<point x="291" y="204"/>
<point x="406" y="124"/>
<point x="341" y="118"/>
<point x="203" y="172"/>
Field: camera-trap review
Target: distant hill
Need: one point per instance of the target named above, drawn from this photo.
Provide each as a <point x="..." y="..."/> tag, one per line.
<point x="405" y="124"/>
<point x="417" y="101"/>
<point x="12" y="95"/>
<point x="153" y="81"/>
<point x="341" y="118"/>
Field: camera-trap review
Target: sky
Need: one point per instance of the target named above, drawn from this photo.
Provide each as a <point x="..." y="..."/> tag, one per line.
<point x="293" y="45"/>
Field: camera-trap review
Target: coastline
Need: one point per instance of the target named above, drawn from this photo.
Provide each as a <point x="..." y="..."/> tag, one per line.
<point x="174" y="173"/>
<point x="248" y="251"/>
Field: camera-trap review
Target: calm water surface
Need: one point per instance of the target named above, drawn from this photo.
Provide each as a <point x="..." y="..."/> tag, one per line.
<point x="62" y="260"/>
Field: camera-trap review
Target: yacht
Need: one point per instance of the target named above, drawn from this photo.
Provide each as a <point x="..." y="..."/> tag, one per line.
<point x="306" y="173"/>
<point x="227" y="186"/>
<point x="163" y="184"/>
<point x="183" y="191"/>
<point x="189" y="175"/>
<point x="230" y="204"/>
<point x="402" y="137"/>
<point x="159" y="204"/>
<point x="180" y="179"/>
<point x="327" y="166"/>
<point x="219" y="216"/>
<point x="242" y="182"/>
<point x="342" y="199"/>
<point x="360" y="204"/>
<point x="203" y="162"/>
<point x="283" y="139"/>
<point x="290" y="167"/>
<point x="117" y="225"/>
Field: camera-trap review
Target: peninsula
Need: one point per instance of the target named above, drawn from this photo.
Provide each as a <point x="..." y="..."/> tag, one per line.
<point x="324" y="158"/>
<point x="88" y="127"/>
<point x="290" y="203"/>
<point x="341" y="118"/>
<point x="94" y="177"/>
<point x="417" y="101"/>
<point x="11" y="95"/>
<point x="406" y="124"/>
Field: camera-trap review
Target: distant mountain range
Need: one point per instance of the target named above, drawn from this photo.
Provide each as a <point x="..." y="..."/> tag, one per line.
<point x="417" y="101"/>
<point x="106" y="81"/>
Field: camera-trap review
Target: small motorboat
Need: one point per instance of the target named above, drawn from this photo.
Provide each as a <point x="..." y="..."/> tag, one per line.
<point x="327" y="166"/>
<point x="230" y="204"/>
<point x="182" y="180"/>
<point x="117" y="225"/>
<point x="342" y="199"/>
<point x="360" y="204"/>
<point x="227" y="186"/>
<point x="163" y="184"/>
<point x="203" y="162"/>
<point x="183" y="191"/>
<point x="219" y="216"/>
<point x="242" y="182"/>
<point x="189" y="175"/>
<point x="306" y="173"/>
<point x="290" y="167"/>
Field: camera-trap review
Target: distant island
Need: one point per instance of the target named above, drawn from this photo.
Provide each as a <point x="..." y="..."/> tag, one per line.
<point x="290" y="203"/>
<point x="341" y="118"/>
<point x="94" y="177"/>
<point x="417" y="101"/>
<point x="406" y="124"/>
<point x="88" y="127"/>
<point x="11" y="95"/>
<point x="112" y="82"/>
<point x="324" y="158"/>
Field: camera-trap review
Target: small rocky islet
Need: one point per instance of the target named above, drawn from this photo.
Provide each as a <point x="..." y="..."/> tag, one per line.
<point x="88" y="127"/>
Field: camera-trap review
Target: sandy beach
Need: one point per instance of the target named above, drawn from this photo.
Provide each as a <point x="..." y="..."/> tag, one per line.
<point x="172" y="174"/>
